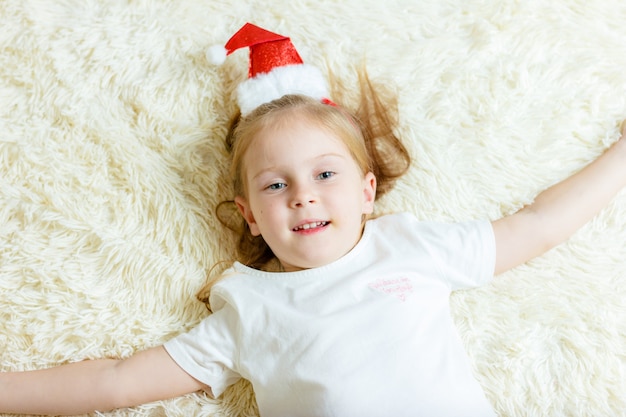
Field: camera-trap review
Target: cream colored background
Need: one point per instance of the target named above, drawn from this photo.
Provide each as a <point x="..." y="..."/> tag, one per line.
<point x="112" y="161"/>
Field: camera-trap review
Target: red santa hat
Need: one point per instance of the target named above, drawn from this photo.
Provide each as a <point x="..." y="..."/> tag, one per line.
<point x="275" y="68"/>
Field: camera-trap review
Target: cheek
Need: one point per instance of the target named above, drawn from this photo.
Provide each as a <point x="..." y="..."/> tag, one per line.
<point x="263" y="210"/>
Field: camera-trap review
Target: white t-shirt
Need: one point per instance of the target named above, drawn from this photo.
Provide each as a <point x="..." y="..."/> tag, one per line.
<point x="370" y="334"/>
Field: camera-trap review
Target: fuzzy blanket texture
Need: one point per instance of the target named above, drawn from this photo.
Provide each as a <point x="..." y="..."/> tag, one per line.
<point x="112" y="162"/>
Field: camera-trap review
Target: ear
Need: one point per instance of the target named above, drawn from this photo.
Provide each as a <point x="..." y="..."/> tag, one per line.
<point x="369" y="193"/>
<point x="246" y="213"/>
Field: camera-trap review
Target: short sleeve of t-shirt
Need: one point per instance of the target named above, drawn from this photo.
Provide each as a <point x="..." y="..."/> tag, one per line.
<point x="208" y="351"/>
<point x="464" y="253"/>
<point x="467" y="254"/>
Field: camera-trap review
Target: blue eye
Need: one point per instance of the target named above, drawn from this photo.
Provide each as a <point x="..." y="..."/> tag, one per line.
<point x="277" y="186"/>
<point x="325" y="175"/>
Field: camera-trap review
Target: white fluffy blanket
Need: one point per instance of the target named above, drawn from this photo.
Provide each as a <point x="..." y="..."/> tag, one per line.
<point x="112" y="161"/>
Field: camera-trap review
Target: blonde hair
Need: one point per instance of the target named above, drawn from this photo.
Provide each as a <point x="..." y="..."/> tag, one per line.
<point x="367" y="132"/>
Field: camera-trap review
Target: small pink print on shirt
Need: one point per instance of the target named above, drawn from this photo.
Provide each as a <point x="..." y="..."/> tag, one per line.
<point x="399" y="287"/>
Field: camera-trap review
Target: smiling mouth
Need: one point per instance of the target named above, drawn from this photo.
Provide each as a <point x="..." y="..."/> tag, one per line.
<point x="310" y="226"/>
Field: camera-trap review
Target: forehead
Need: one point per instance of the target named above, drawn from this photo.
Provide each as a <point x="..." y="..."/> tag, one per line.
<point x="299" y="135"/>
<point x="294" y="144"/>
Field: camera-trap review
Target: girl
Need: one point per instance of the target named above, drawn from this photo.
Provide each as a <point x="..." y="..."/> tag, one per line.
<point x="330" y="312"/>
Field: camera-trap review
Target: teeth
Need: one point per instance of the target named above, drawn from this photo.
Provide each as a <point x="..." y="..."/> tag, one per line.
<point x="311" y="225"/>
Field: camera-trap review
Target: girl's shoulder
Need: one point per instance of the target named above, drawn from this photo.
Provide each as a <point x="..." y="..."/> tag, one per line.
<point x="406" y="230"/>
<point x="392" y="220"/>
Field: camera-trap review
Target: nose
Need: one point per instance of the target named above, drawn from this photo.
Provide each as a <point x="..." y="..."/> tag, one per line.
<point x="302" y="195"/>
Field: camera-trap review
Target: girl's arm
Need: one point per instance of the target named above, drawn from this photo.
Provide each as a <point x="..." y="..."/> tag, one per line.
<point x="560" y="210"/>
<point x="97" y="385"/>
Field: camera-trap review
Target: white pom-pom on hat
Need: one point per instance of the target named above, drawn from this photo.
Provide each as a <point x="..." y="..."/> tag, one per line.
<point x="275" y="68"/>
<point x="216" y="54"/>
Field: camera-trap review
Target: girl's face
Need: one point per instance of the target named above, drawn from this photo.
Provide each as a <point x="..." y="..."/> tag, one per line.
<point x="305" y="194"/>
